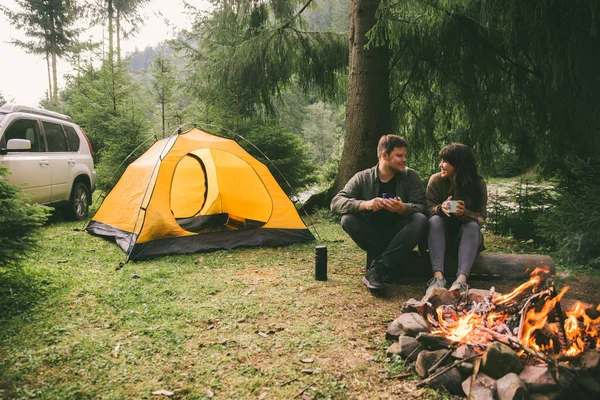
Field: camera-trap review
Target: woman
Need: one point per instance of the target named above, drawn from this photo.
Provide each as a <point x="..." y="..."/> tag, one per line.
<point x="456" y="203"/>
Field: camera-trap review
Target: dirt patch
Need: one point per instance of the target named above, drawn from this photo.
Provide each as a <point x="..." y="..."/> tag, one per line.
<point x="583" y="288"/>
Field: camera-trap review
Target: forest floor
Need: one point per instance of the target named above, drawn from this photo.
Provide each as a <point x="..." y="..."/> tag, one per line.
<point x="245" y="323"/>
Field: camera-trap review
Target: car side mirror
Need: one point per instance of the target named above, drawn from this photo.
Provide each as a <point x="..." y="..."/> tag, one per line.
<point x="18" y="145"/>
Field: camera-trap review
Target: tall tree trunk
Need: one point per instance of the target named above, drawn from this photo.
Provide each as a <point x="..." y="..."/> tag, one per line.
<point x="118" y="32"/>
<point x="162" y="105"/>
<point x="49" y="96"/>
<point x="110" y="33"/>
<point x="54" y="79"/>
<point x="368" y="102"/>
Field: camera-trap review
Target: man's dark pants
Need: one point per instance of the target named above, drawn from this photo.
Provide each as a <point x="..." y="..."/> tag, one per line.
<point x="387" y="244"/>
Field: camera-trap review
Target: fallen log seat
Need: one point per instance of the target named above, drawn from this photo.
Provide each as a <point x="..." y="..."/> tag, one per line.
<point x="490" y="265"/>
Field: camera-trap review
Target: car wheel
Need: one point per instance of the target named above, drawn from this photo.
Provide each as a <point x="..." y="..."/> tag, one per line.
<point x="80" y="201"/>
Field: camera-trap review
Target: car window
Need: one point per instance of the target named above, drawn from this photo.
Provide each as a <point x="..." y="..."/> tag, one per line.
<point x="72" y="138"/>
<point x="55" y="137"/>
<point x="24" y="129"/>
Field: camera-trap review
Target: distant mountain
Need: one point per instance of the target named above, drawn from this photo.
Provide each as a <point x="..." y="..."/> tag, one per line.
<point x="141" y="60"/>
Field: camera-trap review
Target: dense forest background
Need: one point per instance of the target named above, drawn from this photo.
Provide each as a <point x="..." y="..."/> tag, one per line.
<point x="315" y="83"/>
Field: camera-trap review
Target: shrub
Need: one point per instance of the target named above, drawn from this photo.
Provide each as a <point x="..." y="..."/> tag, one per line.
<point x="19" y="220"/>
<point x="572" y="222"/>
<point x="516" y="212"/>
<point x="290" y="160"/>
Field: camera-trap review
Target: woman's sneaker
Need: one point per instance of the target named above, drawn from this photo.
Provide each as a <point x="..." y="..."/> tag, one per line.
<point x="433" y="283"/>
<point x="461" y="286"/>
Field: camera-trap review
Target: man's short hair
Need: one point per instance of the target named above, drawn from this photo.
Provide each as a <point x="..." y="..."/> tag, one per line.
<point x="388" y="143"/>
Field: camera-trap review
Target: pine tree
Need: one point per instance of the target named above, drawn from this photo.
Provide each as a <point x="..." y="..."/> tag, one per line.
<point x="20" y="222"/>
<point x="367" y="102"/>
<point x="49" y="24"/>
<point x="245" y="55"/>
<point x="508" y="77"/>
<point x="127" y="11"/>
<point x="163" y="85"/>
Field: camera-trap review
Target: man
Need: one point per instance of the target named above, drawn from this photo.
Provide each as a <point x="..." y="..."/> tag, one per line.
<point x="383" y="210"/>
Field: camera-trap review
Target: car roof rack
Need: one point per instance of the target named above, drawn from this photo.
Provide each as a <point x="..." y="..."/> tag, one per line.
<point x="12" y="108"/>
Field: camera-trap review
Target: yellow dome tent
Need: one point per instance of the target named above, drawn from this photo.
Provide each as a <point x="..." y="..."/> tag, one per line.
<point x="196" y="192"/>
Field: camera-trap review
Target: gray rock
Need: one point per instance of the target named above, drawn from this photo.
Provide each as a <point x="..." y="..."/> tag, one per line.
<point x="463" y="352"/>
<point x="499" y="360"/>
<point x="439" y="296"/>
<point x="412" y="324"/>
<point x="466" y="368"/>
<point x="450" y="380"/>
<point x="414" y="305"/>
<point x="511" y="387"/>
<point x="393" y="350"/>
<point x="590" y="360"/>
<point x="589" y="384"/>
<point x="483" y="387"/>
<point x="538" y="379"/>
<point x="546" y="396"/>
<point x="394" y="330"/>
<point x="427" y="359"/>
<point x="409" y="347"/>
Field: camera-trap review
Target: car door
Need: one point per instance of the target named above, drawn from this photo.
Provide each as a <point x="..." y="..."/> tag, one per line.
<point x="62" y="162"/>
<point x="29" y="169"/>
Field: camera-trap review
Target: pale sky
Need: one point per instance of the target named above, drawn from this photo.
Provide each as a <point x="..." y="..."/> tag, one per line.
<point x="24" y="77"/>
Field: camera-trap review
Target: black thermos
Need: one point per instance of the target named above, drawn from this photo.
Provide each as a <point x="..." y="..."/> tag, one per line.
<point x="321" y="263"/>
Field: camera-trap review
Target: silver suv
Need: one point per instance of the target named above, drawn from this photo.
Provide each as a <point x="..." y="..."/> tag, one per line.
<point x="49" y="157"/>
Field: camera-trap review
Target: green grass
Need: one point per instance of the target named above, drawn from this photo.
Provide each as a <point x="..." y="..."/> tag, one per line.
<point x="234" y="323"/>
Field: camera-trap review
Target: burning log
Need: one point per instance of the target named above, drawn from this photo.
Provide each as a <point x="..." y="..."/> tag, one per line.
<point x="434" y="341"/>
<point x="560" y="324"/>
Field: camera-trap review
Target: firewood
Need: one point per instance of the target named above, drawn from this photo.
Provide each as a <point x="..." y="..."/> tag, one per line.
<point x="434" y="341"/>
<point x="512" y="342"/>
<point x="439" y="362"/>
<point x="560" y="320"/>
<point x="523" y="311"/>
<point x="446" y="368"/>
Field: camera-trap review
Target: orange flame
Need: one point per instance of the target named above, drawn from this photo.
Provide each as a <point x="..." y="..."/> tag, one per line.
<point x="536" y="278"/>
<point x="580" y="331"/>
<point x="575" y="334"/>
<point x="535" y="320"/>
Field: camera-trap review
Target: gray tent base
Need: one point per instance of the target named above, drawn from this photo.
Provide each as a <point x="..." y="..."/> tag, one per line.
<point x="203" y="242"/>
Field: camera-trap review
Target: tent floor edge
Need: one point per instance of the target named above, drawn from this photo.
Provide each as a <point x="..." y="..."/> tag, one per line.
<point x="207" y="242"/>
<point x="123" y="238"/>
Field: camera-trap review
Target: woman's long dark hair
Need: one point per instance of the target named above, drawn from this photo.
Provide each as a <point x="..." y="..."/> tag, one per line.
<point x="461" y="157"/>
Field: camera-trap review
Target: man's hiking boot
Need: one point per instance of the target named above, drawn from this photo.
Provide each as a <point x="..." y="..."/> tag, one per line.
<point x="371" y="256"/>
<point x="373" y="279"/>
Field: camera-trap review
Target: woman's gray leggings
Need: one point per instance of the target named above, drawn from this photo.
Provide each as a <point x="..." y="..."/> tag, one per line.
<point x="468" y="234"/>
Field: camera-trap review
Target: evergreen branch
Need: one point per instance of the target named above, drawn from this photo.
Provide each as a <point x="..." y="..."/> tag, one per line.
<point x="409" y="107"/>
<point x="434" y="64"/>
<point x="462" y="19"/>
<point x="287" y="24"/>
<point x="405" y="85"/>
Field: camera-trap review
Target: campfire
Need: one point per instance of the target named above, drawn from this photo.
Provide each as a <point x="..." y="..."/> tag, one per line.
<point x="492" y="345"/>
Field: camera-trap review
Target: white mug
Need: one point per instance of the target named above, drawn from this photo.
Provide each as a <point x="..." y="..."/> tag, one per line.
<point x="452" y="204"/>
